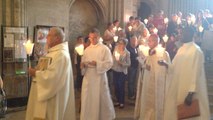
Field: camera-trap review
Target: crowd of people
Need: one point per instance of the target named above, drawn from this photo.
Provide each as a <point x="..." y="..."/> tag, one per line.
<point x="160" y="58"/>
<point x="149" y="78"/>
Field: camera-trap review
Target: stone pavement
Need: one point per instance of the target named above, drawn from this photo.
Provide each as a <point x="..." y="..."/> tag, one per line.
<point x="121" y="114"/>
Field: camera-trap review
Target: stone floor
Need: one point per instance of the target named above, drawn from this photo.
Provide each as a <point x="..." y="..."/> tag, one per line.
<point x="121" y="114"/>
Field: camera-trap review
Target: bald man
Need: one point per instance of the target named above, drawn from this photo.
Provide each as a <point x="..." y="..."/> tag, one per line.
<point x="52" y="92"/>
<point x="150" y="98"/>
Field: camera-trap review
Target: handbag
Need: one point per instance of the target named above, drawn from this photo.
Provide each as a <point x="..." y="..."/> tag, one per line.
<point x="184" y="111"/>
<point x="3" y="103"/>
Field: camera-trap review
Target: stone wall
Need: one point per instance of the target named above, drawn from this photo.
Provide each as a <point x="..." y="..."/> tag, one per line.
<point x="48" y="13"/>
<point x="1" y="17"/>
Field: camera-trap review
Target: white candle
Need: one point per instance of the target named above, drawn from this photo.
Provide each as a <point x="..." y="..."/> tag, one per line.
<point x="115" y="29"/>
<point x="115" y="38"/>
<point x="144" y="49"/>
<point x="29" y="47"/>
<point x="178" y="21"/>
<point x="193" y="19"/>
<point x="200" y="28"/>
<point x="155" y="30"/>
<point x="160" y="50"/>
<point x="130" y="28"/>
<point x="101" y="40"/>
<point x="146" y="21"/>
<point x="117" y="55"/>
<point x="119" y="28"/>
<point x="80" y="49"/>
<point x="189" y="21"/>
<point x="165" y="38"/>
<point x="166" y="20"/>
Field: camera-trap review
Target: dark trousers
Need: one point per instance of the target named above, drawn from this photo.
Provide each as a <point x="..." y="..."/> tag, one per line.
<point x="119" y="82"/>
<point x="79" y="77"/>
<point x="132" y="74"/>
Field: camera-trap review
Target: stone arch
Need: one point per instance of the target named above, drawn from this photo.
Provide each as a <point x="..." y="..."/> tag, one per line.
<point x="98" y="5"/>
<point x="84" y="15"/>
<point x="152" y="5"/>
<point x="144" y="10"/>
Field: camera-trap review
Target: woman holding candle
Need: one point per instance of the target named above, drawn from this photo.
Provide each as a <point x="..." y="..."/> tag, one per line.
<point x="121" y="63"/>
<point x="152" y="83"/>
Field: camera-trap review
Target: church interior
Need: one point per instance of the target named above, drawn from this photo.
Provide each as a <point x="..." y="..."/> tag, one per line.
<point x="23" y="20"/>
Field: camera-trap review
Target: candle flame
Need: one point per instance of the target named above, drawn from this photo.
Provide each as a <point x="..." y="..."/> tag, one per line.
<point x="144" y="49"/>
<point x="117" y="55"/>
<point x="130" y="28"/>
<point x="115" y="38"/>
<point x="119" y="28"/>
<point x="80" y="49"/>
<point x="29" y="47"/>
<point x="146" y="21"/>
<point x="200" y="29"/>
<point x="166" y="20"/>
<point x="155" y="30"/>
<point x="165" y="38"/>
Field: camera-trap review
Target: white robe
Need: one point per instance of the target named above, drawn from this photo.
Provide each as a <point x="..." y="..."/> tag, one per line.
<point x="151" y="89"/>
<point x="52" y="91"/>
<point x="188" y="75"/>
<point x="96" y="103"/>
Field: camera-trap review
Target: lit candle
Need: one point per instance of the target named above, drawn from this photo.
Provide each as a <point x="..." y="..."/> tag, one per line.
<point x="115" y="29"/>
<point x="178" y="21"/>
<point x="130" y="28"/>
<point x="80" y="49"/>
<point x="160" y="50"/>
<point x="165" y="38"/>
<point x="101" y="40"/>
<point x="155" y="30"/>
<point x="146" y="21"/>
<point x="166" y="20"/>
<point x="144" y="49"/>
<point x="115" y="38"/>
<point x="189" y="21"/>
<point x="193" y="19"/>
<point x="29" y="47"/>
<point x="119" y="28"/>
<point x="117" y="55"/>
<point x="200" y="28"/>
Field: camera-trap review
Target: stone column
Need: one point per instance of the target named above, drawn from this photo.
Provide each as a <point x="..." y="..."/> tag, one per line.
<point x="116" y="10"/>
<point x="17" y="13"/>
<point x="128" y="9"/>
<point x="1" y="17"/>
<point x="111" y="10"/>
<point x="23" y="11"/>
<point x="8" y="17"/>
<point x="164" y="5"/>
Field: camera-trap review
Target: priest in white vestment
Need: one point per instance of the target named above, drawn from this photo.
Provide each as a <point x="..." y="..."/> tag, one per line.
<point x="52" y="91"/>
<point x="188" y="79"/>
<point x="151" y="83"/>
<point x="96" y="103"/>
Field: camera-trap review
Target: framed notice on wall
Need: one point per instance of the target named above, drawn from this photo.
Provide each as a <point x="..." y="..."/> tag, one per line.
<point x="14" y="67"/>
<point x="8" y="40"/>
<point x="13" y="39"/>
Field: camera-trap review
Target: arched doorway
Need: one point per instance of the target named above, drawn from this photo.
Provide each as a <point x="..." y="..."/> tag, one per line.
<point x="144" y="10"/>
<point x="83" y="16"/>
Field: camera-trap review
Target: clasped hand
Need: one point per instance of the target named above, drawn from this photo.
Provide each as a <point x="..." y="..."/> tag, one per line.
<point x="188" y="99"/>
<point x="86" y="64"/>
<point x="32" y="72"/>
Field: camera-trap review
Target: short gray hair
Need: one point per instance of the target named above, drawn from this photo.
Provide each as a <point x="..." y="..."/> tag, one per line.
<point x="59" y="32"/>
